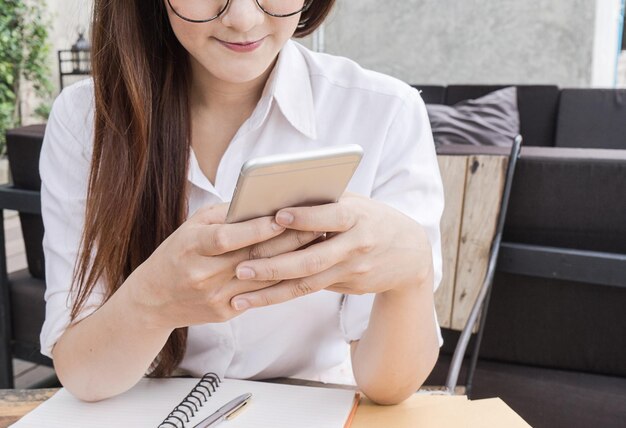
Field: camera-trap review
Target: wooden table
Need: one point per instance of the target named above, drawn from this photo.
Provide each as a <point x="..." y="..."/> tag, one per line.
<point x="15" y="403"/>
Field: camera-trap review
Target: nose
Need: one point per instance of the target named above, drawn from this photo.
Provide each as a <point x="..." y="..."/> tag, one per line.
<point x="243" y="15"/>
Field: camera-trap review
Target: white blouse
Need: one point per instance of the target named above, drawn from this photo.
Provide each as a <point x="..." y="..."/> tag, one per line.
<point x="311" y="100"/>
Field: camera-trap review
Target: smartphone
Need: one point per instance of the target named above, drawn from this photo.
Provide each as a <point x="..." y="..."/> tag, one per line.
<point x="270" y="183"/>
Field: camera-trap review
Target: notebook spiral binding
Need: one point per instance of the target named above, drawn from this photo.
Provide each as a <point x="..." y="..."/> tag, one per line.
<point x="192" y="402"/>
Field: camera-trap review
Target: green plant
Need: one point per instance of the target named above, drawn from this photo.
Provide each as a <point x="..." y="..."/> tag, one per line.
<point x="24" y="53"/>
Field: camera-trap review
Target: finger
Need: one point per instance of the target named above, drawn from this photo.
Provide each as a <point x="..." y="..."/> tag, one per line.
<point x="230" y="288"/>
<point x="291" y="240"/>
<point x="337" y="217"/>
<point x="296" y="264"/>
<point x="216" y="239"/>
<point x="284" y="291"/>
<point x="237" y="287"/>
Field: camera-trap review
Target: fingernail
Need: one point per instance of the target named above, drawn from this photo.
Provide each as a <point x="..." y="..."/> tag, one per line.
<point x="241" y="304"/>
<point x="245" y="273"/>
<point x="284" y="217"/>
<point x="277" y="226"/>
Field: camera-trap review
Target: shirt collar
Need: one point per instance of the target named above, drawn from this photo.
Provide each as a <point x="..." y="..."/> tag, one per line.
<point x="289" y="85"/>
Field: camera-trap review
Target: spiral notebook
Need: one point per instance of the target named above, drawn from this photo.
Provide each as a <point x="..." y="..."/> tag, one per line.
<point x="153" y="402"/>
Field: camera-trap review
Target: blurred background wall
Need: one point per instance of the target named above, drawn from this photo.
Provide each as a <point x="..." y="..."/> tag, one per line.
<point x="565" y="42"/>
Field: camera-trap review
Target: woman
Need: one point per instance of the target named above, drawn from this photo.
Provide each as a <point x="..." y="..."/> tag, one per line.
<point x="137" y="164"/>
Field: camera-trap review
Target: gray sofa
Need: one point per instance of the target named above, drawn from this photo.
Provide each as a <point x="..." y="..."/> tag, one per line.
<point x="554" y="345"/>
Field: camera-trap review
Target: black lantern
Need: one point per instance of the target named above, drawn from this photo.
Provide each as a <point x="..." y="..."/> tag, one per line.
<point x="75" y="61"/>
<point x="81" y="55"/>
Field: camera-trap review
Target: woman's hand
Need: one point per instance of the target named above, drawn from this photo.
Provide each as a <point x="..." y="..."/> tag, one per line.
<point x="190" y="278"/>
<point x="371" y="248"/>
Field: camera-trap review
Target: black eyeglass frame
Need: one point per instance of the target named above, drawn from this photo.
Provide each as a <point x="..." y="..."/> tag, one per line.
<point x="304" y="8"/>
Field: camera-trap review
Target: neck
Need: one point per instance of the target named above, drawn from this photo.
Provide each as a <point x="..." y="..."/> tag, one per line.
<point x="210" y="93"/>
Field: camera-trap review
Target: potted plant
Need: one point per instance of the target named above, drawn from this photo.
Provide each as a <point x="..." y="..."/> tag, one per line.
<point x="24" y="53"/>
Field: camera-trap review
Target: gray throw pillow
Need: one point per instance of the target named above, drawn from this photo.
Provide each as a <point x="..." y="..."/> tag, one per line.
<point x="492" y="120"/>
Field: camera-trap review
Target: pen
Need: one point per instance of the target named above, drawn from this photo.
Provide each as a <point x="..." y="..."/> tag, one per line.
<point x="227" y="411"/>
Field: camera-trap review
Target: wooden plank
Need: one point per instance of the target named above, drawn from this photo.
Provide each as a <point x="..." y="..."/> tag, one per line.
<point x="453" y="174"/>
<point x="483" y="191"/>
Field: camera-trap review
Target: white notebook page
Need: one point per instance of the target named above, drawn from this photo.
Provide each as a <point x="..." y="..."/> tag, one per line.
<point x="151" y="400"/>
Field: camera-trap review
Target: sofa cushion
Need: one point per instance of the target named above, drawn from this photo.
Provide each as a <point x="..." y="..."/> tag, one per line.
<point x="537" y="104"/>
<point x="489" y="120"/>
<point x="571" y="198"/>
<point x="556" y="324"/>
<point x="592" y="118"/>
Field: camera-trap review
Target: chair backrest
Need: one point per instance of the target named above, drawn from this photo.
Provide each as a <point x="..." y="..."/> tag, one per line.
<point x="569" y="198"/>
<point x="477" y="188"/>
<point x="592" y="118"/>
<point x="23" y="148"/>
<point x="473" y="181"/>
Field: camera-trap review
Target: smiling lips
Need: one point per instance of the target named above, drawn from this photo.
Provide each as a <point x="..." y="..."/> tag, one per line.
<point x="242" y="47"/>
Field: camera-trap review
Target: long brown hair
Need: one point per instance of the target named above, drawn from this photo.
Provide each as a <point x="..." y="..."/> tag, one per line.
<point x="137" y="186"/>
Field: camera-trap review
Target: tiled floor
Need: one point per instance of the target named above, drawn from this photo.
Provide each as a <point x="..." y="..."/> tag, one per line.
<point x="16" y="256"/>
<point x="25" y="373"/>
<point x="621" y="71"/>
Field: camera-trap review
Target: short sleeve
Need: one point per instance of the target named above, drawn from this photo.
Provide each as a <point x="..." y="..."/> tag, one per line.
<point x="408" y="179"/>
<point x="64" y="167"/>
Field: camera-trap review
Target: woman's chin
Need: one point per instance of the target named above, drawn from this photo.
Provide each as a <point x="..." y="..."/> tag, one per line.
<point x="237" y="74"/>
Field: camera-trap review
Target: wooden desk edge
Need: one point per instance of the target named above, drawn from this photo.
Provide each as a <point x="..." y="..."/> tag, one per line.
<point x="15" y="403"/>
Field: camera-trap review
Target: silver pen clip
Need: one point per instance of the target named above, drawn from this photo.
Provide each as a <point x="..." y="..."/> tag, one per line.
<point x="227" y="411"/>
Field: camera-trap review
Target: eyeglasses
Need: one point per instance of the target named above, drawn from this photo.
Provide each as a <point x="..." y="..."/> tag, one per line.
<point x="199" y="11"/>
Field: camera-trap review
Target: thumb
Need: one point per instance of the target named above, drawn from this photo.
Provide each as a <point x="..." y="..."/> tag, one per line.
<point x="210" y="214"/>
